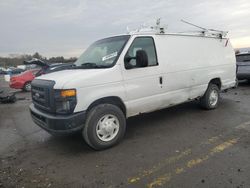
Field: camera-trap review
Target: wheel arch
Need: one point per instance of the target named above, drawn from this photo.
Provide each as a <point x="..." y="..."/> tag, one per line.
<point x="216" y="81"/>
<point x="109" y="100"/>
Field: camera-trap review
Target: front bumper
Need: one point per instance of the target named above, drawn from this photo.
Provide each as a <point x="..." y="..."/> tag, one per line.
<point x="58" y="124"/>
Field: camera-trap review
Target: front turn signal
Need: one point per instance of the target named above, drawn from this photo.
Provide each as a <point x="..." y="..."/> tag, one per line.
<point x="68" y="93"/>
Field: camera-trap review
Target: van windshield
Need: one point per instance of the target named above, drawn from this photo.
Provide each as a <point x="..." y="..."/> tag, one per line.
<point x="102" y="54"/>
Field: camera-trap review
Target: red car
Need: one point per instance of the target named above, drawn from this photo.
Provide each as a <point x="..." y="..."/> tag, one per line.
<point x="23" y="80"/>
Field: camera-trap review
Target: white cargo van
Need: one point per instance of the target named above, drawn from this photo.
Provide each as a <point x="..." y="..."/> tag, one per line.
<point x="126" y="75"/>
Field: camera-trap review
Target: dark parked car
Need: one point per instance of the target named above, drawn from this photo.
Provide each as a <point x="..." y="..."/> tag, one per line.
<point x="243" y="66"/>
<point x="57" y="67"/>
<point x="2" y="72"/>
<point x="48" y="68"/>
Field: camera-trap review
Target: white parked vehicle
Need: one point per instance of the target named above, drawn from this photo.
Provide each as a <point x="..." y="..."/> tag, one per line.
<point x="126" y="75"/>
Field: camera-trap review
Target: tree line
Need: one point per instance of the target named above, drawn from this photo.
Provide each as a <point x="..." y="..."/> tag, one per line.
<point x="14" y="60"/>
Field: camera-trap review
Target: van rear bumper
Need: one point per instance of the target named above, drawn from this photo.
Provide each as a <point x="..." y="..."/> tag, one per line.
<point x="58" y="124"/>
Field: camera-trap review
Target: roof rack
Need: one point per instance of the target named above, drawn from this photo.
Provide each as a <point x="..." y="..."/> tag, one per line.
<point x="159" y="29"/>
<point x="208" y="32"/>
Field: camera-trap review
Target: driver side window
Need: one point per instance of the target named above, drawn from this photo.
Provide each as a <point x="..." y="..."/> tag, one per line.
<point x="146" y="44"/>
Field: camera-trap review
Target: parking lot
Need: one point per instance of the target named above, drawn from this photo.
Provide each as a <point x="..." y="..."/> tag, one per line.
<point x="182" y="146"/>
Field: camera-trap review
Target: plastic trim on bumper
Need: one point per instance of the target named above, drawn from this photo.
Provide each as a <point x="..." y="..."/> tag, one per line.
<point x="58" y="124"/>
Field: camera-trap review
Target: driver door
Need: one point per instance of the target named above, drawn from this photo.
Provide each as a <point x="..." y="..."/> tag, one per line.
<point x="143" y="85"/>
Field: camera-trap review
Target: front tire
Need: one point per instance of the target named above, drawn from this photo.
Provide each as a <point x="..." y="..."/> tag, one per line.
<point x="210" y="99"/>
<point x="105" y="126"/>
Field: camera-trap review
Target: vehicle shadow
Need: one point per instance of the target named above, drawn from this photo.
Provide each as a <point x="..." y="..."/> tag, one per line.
<point x="75" y="143"/>
<point x="153" y="119"/>
<point x="68" y="144"/>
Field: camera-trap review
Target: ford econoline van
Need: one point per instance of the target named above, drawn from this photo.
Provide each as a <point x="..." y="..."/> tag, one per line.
<point x="126" y="75"/>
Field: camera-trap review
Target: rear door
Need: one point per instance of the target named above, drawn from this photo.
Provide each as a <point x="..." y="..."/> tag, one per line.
<point x="143" y="85"/>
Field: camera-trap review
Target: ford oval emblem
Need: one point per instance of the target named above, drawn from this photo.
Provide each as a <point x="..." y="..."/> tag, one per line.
<point x="37" y="95"/>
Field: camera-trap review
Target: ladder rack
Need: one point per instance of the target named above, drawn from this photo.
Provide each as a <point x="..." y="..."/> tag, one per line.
<point x="158" y="29"/>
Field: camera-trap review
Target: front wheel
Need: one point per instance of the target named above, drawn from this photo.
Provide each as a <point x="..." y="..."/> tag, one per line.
<point x="210" y="99"/>
<point x="105" y="126"/>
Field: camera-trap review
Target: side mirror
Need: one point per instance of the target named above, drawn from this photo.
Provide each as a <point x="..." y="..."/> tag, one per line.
<point x="127" y="61"/>
<point x="141" y="58"/>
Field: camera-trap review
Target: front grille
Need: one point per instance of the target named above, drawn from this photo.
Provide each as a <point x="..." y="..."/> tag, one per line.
<point x="43" y="94"/>
<point x="39" y="95"/>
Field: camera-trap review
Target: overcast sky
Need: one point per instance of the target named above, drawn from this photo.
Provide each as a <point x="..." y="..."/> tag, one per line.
<point x="67" y="27"/>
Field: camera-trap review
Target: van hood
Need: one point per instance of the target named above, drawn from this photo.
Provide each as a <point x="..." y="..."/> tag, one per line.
<point x="77" y="78"/>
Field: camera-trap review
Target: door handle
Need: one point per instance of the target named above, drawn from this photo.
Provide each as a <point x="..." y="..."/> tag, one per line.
<point x="160" y="80"/>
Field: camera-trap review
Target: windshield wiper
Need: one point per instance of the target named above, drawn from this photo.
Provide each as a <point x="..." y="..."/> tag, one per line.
<point x="89" y="65"/>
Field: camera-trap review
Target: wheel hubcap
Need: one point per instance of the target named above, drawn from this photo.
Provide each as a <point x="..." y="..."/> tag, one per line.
<point x="107" y="127"/>
<point x="213" y="98"/>
<point x="28" y="87"/>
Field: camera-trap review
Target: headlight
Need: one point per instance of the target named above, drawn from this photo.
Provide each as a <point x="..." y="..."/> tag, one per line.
<point x="65" y="101"/>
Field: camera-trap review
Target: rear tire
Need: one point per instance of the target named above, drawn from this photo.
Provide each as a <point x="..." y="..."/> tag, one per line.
<point x="105" y="126"/>
<point x="210" y="99"/>
<point x="27" y="87"/>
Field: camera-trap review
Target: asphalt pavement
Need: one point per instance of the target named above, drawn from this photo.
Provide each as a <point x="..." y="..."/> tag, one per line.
<point x="182" y="146"/>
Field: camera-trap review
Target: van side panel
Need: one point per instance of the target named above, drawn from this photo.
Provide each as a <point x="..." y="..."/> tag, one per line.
<point x="190" y="63"/>
<point x="186" y="64"/>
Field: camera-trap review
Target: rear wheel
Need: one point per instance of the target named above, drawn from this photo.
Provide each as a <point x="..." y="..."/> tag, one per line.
<point x="27" y="86"/>
<point x="210" y="99"/>
<point x="105" y="126"/>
